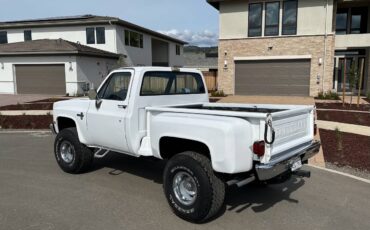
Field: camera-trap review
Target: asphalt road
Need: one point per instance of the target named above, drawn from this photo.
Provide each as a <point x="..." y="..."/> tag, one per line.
<point x="126" y="193"/>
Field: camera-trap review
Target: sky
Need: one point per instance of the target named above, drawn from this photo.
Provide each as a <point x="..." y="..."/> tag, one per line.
<point x="194" y="21"/>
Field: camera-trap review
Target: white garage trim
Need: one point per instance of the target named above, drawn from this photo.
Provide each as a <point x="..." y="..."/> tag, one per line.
<point x="284" y="57"/>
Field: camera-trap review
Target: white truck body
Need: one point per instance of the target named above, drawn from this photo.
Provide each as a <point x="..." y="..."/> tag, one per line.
<point x="136" y="125"/>
<point x="165" y="113"/>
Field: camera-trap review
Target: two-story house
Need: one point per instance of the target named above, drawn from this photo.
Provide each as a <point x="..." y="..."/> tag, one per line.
<point x="67" y="55"/>
<point x="291" y="47"/>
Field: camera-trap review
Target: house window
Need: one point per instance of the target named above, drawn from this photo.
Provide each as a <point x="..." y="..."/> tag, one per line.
<point x="100" y="35"/>
<point x="272" y="13"/>
<point x="90" y="35"/>
<point x="359" y="20"/>
<point x="27" y="35"/>
<point x="178" y="50"/>
<point x="341" y="21"/>
<point x="255" y="20"/>
<point x="351" y="20"/>
<point x="290" y="8"/>
<point x="133" y="39"/>
<point x="3" y="37"/>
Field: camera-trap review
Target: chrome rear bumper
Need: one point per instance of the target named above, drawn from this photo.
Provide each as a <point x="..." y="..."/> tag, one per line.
<point x="269" y="171"/>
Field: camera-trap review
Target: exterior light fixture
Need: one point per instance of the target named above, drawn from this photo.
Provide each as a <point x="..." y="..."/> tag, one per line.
<point x="70" y="66"/>
<point x="225" y="64"/>
<point x="225" y="52"/>
<point x="2" y="65"/>
<point x="320" y="61"/>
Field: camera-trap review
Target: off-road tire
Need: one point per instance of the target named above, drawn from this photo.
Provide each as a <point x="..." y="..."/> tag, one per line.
<point x="211" y="189"/>
<point x="83" y="156"/>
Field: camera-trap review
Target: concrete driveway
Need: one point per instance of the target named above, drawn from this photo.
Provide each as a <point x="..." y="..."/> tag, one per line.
<point x="9" y="99"/>
<point x="290" y="100"/>
<point x="122" y="192"/>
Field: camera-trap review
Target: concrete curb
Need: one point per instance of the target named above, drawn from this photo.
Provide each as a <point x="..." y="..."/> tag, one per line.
<point x="341" y="110"/>
<point x="341" y="173"/>
<point x="26" y="112"/>
<point x="344" y="127"/>
<point x="14" y="131"/>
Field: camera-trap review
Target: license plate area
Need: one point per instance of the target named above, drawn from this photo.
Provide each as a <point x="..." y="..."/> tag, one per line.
<point x="296" y="164"/>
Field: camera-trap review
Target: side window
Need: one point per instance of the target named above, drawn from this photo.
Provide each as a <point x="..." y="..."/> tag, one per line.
<point x="3" y="37"/>
<point x="27" y="35"/>
<point x="116" y="87"/>
<point x="272" y="13"/>
<point x="100" y="35"/>
<point x="255" y="20"/>
<point x="290" y="8"/>
<point x="90" y="35"/>
<point x="169" y="83"/>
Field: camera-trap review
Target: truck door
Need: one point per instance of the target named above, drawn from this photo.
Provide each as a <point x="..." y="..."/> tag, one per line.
<point x="107" y="114"/>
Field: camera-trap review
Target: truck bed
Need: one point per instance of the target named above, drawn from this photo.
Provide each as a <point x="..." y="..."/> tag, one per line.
<point x="236" y="110"/>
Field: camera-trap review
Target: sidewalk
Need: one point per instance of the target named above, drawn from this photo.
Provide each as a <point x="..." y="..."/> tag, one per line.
<point x="344" y="127"/>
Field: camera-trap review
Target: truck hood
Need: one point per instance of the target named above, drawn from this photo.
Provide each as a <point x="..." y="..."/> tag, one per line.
<point x="77" y="105"/>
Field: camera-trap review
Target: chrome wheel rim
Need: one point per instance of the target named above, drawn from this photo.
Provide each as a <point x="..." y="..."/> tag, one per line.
<point x="185" y="188"/>
<point x="67" y="151"/>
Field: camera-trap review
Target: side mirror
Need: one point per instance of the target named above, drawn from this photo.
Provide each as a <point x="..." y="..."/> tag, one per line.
<point x="92" y="94"/>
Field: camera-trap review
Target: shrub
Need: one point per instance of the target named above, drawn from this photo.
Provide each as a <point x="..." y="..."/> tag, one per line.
<point x="218" y="93"/>
<point x="329" y="95"/>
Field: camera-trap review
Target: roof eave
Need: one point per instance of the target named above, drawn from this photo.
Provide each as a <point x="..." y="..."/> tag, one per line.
<point x="58" y="53"/>
<point x="214" y="3"/>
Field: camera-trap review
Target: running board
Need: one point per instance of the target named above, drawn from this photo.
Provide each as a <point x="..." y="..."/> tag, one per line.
<point x="100" y="153"/>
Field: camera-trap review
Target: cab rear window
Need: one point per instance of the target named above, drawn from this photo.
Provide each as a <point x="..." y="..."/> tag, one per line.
<point x="157" y="83"/>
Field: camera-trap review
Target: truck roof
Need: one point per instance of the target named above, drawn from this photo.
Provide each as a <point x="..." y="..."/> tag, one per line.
<point x="159" y="68"/>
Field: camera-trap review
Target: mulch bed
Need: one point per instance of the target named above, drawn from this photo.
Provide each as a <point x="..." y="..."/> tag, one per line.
<point x="345" y="117"/>
<point x="346" y="149"/>
<point x="51" y="100"/>
<point x="366" y="99"/>
<point x="26" y="122"/>
<point x="37" y="106"/>
<point x="346" y="106"/>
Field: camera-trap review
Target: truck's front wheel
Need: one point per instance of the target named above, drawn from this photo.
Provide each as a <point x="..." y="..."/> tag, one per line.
<point x="191" y="187"/>
<point x="71" y="155"/>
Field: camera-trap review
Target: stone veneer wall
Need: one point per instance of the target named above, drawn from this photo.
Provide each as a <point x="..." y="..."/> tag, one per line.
<point x="282" y="46"/>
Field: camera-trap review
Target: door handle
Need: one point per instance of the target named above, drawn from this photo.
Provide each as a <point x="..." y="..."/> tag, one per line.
<point x="122" y="106"/>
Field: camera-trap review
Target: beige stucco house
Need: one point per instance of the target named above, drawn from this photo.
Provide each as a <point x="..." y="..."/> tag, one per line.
<point x="291" y="47"/>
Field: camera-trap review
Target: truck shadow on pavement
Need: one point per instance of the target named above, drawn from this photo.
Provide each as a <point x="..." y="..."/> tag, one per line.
<point x="257" y="197"/>
<point x="260" y="198"/>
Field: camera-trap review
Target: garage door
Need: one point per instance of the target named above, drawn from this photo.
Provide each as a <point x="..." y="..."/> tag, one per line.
<point x="40" y="79"/>
<point x="273" y="77"/>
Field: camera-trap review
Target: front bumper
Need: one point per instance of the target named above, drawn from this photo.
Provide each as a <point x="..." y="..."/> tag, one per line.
<point x="269" y="171"/>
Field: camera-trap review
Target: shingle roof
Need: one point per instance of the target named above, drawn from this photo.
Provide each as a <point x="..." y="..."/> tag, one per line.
<point x="51" y="47"/>
<point x="83" y="20"/>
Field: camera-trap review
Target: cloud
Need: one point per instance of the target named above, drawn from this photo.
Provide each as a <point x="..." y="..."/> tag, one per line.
<point x="203" y="38"/>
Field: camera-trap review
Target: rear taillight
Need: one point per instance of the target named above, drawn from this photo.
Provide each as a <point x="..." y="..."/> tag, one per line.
<point x="259" y="148"/>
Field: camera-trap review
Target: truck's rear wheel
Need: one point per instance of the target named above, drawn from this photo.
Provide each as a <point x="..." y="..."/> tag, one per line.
<point x="192" y="189"/>
<point x="71" y="155"/>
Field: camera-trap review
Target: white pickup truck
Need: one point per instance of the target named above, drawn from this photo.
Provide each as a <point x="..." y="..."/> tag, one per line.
<point x="165" y="113"/>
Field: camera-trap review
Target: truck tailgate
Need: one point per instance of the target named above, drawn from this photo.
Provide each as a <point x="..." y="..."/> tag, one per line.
<point x="293" y="131"/>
